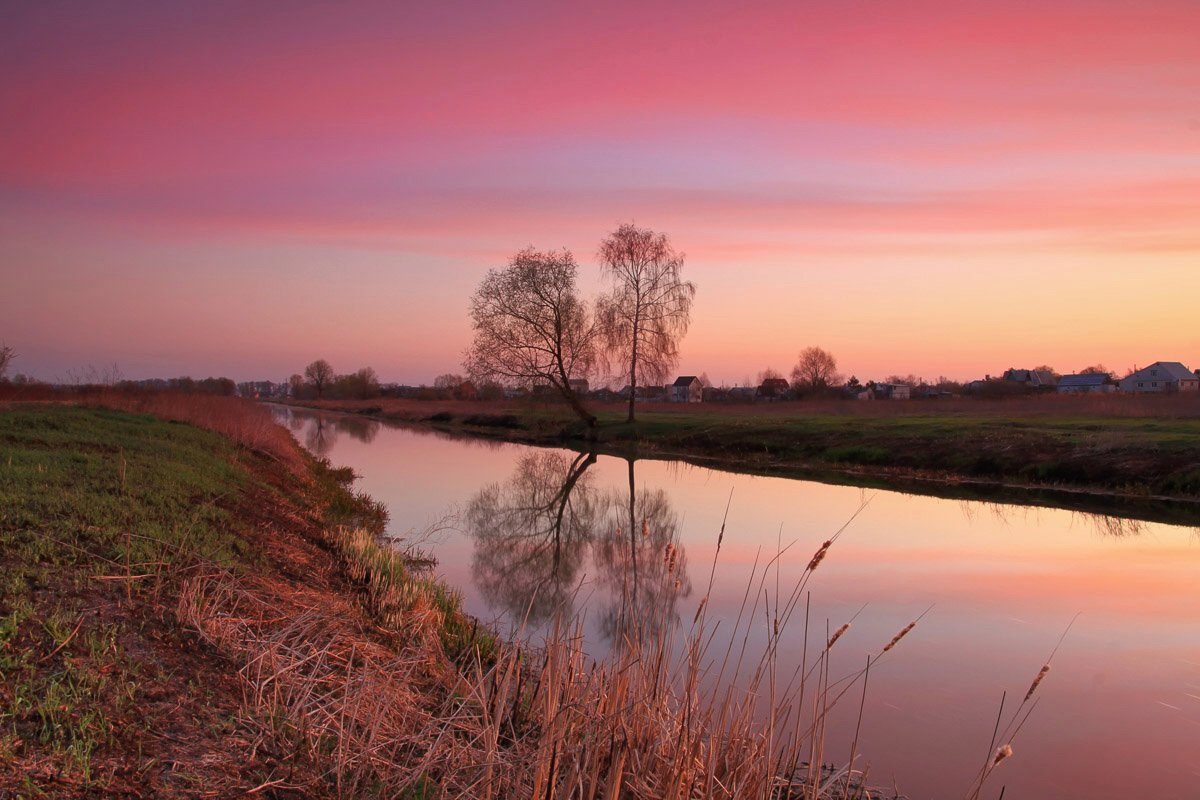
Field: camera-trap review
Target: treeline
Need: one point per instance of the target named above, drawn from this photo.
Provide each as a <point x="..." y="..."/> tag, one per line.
<point x="320" y="382"/>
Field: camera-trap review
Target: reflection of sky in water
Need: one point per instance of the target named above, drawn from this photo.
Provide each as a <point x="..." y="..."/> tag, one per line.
<point x="1119" y="714"/>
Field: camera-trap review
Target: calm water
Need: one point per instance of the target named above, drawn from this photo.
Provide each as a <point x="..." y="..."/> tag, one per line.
<point x="516" y="528"/>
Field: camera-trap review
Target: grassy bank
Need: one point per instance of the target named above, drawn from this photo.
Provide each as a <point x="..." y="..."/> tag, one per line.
<point x="1140" y="446"/>
<point x="113" y="526"/>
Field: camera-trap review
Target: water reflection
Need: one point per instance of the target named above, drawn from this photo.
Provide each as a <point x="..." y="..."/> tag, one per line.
<point x="555" y="530"/>
<point x="321" y="431"/>
<point x="641" y="563"/>
<point x="534" y="532"/>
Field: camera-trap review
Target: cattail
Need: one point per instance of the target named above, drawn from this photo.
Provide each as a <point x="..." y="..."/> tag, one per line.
<point x="645" y="529"/>
<point x="819" y="556"/>
<point x="896" y="639"/>
<point x="700" y="610"/>
<point x="837" y="635"/>
<point x="1033" y="686"/>
<point x="1002" y="753"/>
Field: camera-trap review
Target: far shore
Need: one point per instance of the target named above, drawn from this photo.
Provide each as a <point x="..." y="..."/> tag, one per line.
<point x="1135" y="457"/>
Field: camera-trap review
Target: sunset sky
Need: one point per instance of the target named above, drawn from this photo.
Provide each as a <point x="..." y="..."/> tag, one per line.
<point x="939" y="188"/>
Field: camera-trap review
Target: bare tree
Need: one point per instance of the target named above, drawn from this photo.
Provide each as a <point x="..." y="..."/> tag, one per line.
<point x="649" y="308"/>
<point x="320" y="375"/>
<point x="1099" y="369"/>
<point x="1050" y="369"/>
<point x="531" y="328"/>
<point x="7" y="354"/>
<point x="815" y="370"/>
<point x="769" y="374"/>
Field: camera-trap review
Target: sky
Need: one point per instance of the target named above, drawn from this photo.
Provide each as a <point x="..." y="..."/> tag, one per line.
<point x="933" y="188"/>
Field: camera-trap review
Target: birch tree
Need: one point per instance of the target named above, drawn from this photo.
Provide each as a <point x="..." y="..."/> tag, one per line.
<point x="649" y="308"/>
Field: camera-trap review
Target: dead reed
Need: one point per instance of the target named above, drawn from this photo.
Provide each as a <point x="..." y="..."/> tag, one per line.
<point x="658" y="717"/>
<point x="245" y="422"/>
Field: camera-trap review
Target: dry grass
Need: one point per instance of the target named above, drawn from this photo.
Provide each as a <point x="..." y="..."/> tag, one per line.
<point x="243" y="421"/>
<point x="656" y="718"/>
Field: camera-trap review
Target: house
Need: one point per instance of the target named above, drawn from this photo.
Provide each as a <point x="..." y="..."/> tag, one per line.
<point x="579" y="386"/>
<point x="772" y="389"/>
<point x="891" y="391"/>
<point x="1092" y="383"/>
<point x="686" y="389"/>
<point x="605" y="395"/>
<point x="927" y="392"/>
<point x="1042" y="379"/>
<point x="1161" y="376"/>
<point x="649" y="394"/>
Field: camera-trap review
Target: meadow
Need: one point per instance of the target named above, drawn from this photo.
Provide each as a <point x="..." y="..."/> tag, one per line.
<point x="1139" y="446"/>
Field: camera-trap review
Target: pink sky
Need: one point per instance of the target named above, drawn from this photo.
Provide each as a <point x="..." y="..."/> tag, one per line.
<point x="939" y="188"/>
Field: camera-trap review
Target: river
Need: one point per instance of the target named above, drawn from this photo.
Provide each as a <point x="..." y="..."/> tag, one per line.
<point x="525" y="532"/>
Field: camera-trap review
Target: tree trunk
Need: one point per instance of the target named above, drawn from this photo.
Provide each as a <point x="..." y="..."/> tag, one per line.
<point x="573" y="400"/>
<point x="633" y="370"/>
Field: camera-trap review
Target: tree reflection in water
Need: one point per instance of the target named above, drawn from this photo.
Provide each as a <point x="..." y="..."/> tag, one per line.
<point x="533" y="535"/>
<point x="323" y="430"/>
<point x="642" y="563"/>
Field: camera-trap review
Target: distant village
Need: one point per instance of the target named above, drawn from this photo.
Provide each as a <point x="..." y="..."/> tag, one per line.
<point x="1161" y="377"/>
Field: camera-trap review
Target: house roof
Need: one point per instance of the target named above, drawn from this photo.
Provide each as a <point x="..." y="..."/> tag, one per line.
<point x="1038" y="377"/>
<point x="685" y="380"/>
<point x="775" y="382"/>
<point x="1174" y="369"/>
<point x="1083" y="380"/>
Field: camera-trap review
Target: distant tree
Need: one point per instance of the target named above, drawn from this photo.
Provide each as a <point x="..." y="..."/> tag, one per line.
<point x="908" y="380"/>
<point x="7" y="356"/>
<point x="768" y="374"/>
<point x="531" y="328"/>
<point x="365" y="384"/>
<point x="320" y="375"/>
<point x="853" y="386"/>
<point x="1050" y="369"/>
<point x="449" y="381"/>
<point x="220" y="386"/>
<point x="490" y="391"/>
<point x="295" y="385"/>
<point x="815" y="370"/>
<point x="649" y="308"/>
<point x="948" y="384"/>
<point x="360" y="385"/>
<point x="1099" y="369"/>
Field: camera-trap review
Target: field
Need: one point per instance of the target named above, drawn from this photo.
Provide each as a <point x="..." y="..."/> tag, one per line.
<point x="1125" y="445"/>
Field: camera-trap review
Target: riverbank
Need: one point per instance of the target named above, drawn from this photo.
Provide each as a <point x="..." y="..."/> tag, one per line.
<point x="128" y="545"/>
<point x="191" y="606"/>
<point x="1134" y="448"/>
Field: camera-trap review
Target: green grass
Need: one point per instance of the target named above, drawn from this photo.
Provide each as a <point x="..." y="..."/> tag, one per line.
<point x="80" y="486"/>
<point x="1140" y="455"/>
<point x="87" y="496"/>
